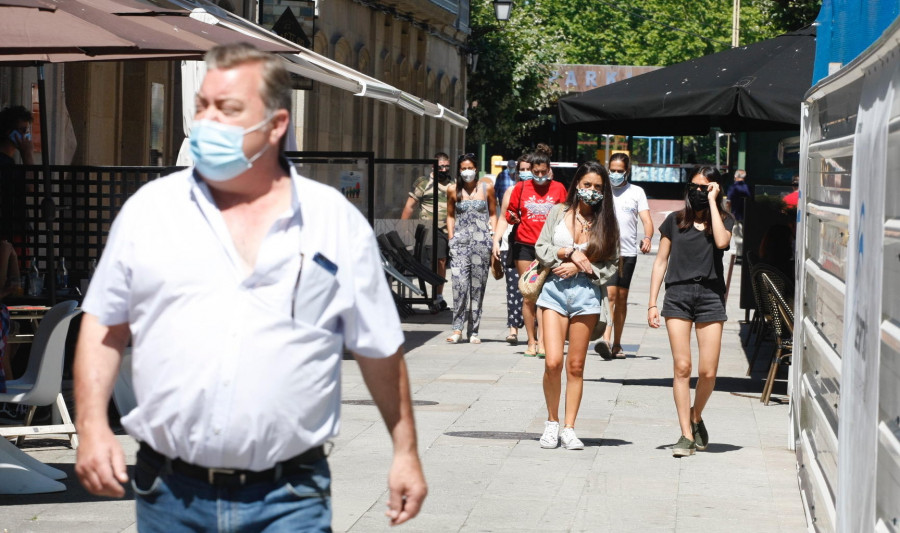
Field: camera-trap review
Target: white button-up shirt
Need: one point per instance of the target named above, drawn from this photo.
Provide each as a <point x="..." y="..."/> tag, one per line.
<point x="230" y="370"/>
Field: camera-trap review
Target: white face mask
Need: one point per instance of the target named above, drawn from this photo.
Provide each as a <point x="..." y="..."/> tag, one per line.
<point x="468" y="176"/>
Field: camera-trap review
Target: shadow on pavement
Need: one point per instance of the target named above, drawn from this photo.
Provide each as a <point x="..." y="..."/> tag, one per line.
<point x="712" y="448"/>
<point x="412" y="340"/>
<point x="74" y="492"/>
<point x="520" y="436"/>
<point x="723" y="384"/>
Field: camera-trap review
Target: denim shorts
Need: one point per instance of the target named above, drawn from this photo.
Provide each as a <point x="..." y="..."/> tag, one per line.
<point x="697" y="301"/>
<point x="571" y="296"/>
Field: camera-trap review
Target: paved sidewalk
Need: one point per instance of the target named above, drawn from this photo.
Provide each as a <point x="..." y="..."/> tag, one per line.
<point x="480" y="411"/>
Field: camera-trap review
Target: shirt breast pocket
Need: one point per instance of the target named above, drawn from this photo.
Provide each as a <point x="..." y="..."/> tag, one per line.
<point x="316" y="288"/>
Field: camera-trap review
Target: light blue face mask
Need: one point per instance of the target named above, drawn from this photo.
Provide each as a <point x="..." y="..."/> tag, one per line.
<point x="541" y="180"/>
<point x="218" y="149"/>
<point x="525" y="175"/>
<point x="616" y="179"/>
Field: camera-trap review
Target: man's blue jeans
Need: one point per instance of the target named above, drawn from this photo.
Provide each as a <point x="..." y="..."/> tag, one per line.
<point x="170" y="503"/>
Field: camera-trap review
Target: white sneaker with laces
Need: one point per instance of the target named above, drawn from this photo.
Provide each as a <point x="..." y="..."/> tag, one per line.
<point x="569" y="440"/>
<point x="550" y="438"/>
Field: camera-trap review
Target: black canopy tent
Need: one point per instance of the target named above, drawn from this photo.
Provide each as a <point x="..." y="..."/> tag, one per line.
<point x="757" y="87"/>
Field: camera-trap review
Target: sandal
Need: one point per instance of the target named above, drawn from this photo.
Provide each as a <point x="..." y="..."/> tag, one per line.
<point x="541" y="353"/>
<point x="618" y="352"/>
<point x="473" y="339"/>
<point x="512" y="339"/>
<point x="453" y="339"/>
<point x="531" y="351"/>
<point x="602" y="348"/>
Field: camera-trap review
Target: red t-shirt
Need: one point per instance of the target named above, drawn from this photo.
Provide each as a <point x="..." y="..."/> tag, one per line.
<point x="532" y="204"/>
<point x="791" y="199"/>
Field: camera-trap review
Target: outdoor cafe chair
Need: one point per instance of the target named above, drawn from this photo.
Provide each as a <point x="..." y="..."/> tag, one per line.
<point x="762" y="320"/>
<point x="783" y="326"/>
<point x="42" y="382"/>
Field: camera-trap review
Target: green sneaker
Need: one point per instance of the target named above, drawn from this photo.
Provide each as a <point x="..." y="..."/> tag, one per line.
<point x="683" y="447"/>
<point x="701" y="437"/>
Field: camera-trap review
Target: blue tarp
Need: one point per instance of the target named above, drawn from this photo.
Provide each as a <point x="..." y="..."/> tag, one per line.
<point x="847" y="27"/>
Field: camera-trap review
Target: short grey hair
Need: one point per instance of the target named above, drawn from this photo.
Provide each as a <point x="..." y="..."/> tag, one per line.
<point x="740" y="174"/>
<point x="276" y="82"/>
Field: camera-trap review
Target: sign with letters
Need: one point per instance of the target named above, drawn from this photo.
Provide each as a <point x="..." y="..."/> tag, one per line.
<point x="580" y="78"/>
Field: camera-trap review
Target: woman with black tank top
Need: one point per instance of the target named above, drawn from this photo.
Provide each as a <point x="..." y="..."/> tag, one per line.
<point x="691" y="246"/>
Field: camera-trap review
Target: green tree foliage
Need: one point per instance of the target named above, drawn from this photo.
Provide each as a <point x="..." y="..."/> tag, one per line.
<point x="508" y="93"/>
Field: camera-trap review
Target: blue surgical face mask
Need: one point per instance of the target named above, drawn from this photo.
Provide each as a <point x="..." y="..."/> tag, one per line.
<point x="218" y="149"/>
<point x="541" y="180"/>
<point x="616" y="179"/>
<point x="590" y="196"/>
<point x="525" y="175"/>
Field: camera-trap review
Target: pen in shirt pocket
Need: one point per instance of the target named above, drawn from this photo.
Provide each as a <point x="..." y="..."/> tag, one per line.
<point x="296" y="287"/>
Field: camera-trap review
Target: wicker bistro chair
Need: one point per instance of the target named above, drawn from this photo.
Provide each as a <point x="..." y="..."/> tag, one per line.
<point x="782" y="324"/>
<point x="762" y="317"/>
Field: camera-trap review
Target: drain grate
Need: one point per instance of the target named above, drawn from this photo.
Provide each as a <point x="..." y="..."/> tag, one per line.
<point x="497" y="435"/>
<point x="372" y="402"/>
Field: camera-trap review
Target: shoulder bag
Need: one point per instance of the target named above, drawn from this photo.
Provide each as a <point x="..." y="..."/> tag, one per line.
<point x="532" y="281"/>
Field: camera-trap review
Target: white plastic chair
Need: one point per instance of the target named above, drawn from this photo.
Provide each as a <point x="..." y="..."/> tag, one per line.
<point x="42" y="382"/>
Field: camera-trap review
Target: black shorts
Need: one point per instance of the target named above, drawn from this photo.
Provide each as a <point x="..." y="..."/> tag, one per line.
<point x="443" y="245"/>
<point x="624" y="281"/>
<point x="523" y="252"/>
<point x="697" y="301"/>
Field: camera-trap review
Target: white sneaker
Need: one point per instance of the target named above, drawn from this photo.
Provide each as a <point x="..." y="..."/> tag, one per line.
<point x="569" y="440"/>
<point x="550" y="438"/>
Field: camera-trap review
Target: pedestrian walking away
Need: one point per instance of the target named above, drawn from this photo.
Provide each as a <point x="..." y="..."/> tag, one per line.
<point x="530" y="202"/>
<point x="579" y="243"/>
<point x="502" y="233"/>
<point x="631" y="205"/>
<point x="471" y="216"/>
<point x="738" y="196"/>
<point x="692" y="243"/>
<point x="236" y="360"/>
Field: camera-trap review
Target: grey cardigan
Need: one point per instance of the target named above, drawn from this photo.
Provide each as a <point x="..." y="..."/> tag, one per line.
<point x="545" y="250"/>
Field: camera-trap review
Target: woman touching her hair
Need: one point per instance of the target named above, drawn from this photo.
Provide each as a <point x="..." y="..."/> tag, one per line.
<point x="692" y="242"/>
<point x="471" y="216"/>
<point x="580" y="244"/>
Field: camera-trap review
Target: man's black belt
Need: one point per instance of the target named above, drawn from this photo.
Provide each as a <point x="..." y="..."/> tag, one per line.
<point x="229" y="476"/>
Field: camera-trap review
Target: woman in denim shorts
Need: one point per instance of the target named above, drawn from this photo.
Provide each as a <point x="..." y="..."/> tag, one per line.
<point x="580" y="244"/>
<point x="691" y="246"/>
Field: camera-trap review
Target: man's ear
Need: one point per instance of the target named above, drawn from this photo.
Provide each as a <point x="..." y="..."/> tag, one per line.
<point x="281" y="120"/>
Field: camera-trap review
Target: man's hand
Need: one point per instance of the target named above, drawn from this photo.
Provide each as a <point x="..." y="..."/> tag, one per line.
<point x="100" y="462"/>
<point x="645" y="245"/>
<point x="406" y="483"/>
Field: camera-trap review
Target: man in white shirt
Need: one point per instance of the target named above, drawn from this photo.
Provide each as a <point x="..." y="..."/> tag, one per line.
<point x="239" y="283"/>
<point x="631" y="205"/>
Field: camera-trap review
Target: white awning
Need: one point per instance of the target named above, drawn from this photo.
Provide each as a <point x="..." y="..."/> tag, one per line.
<point x="319" y="68"/>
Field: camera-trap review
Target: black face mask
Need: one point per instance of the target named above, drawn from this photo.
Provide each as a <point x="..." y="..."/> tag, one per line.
<point x="699" y="199"/>
<point x="443" y="176"/>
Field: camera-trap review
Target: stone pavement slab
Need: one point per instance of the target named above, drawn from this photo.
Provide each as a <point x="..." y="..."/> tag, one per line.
<point x="480" y="411"/>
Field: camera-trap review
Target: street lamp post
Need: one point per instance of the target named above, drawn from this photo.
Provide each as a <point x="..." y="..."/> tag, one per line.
<point x="502" y="9"/>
